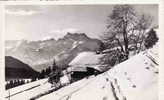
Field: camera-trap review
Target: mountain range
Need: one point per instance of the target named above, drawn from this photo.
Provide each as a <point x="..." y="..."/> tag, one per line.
<point x="41" y="54"/>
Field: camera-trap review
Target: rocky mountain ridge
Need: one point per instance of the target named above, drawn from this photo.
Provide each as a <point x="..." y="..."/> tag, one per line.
<point x="41" y="54"/>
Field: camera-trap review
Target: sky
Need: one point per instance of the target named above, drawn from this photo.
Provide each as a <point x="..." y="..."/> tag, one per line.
<point x="38" y="22"/>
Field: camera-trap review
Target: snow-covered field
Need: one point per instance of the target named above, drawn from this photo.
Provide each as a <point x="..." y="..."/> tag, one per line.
<point x="134" y="79"/>
<point x="26" y="91"/>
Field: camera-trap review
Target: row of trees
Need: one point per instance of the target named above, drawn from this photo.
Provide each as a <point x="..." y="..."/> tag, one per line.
<point x="45" y="72"/>
<point x="14" y="83"/>
<point x="54" y="72"/>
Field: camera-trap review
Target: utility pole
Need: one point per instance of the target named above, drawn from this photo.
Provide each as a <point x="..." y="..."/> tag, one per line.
<point x="9" y="94"/>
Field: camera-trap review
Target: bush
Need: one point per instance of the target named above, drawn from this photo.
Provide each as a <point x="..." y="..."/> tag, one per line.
<point x="151" y="39"/>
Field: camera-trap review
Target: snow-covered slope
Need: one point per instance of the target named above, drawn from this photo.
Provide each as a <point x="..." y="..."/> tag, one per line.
<point x="134" y="79"/>
<point x="27" y="91"/>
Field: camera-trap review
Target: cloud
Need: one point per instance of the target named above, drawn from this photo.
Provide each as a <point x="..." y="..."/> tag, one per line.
<point x="47" y="38"/>
<point x="71" y="30"/>
<point x="60" y="33"/>
<point x="21" y="12"/>
<point x="15" y="36"/>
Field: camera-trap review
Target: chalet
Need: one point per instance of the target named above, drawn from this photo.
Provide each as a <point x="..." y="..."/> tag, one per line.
<point x="84" y="65"/>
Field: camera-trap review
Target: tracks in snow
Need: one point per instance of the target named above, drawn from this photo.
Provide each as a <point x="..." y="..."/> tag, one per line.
<point x="117" y="93"/>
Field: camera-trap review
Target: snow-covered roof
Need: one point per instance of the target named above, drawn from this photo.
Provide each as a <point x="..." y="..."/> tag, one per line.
<point x="86" y="58"/>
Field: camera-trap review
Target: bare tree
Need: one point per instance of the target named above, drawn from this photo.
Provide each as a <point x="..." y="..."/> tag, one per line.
<point x="138" y="33"/>
<point x="122" y="25"/>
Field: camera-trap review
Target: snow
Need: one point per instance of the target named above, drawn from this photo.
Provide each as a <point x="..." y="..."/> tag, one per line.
<point x="47" y="38"/>
<point x="25" y="92"/>
<point x="144" y="80"/>
<point x="86" y="58"/>
<point x="76" y="43"/>
<point x="63" y="92"/>
<point x="134" y="79"/>
<point x="65" y="79"/>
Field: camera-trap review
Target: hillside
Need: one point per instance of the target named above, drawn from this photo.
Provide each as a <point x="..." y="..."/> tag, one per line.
<point x="15" y="68"/>
<point x="40" y="54"/>
<point x="134" y="79"/>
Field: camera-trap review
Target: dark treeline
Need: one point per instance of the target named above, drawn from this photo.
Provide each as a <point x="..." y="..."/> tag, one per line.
<point x="45" y="72"/>
<point x="17" y="82"/>
<point x="14" y="83"/>
<point x="54" y="69"/>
